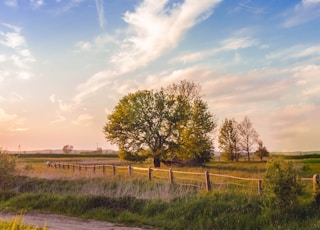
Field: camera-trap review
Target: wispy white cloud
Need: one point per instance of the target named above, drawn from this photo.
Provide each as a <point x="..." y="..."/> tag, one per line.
<point x="83" y="46"/>
<point x="146" y="42"/>
<point x="11" y="122"/>
<point x="53" y="98"/>
<point x="11" y="3"/>
<point x="305" y="11"/>
<point x="70" y="4"/>
<point x="93" y="84"/>
<point x="227" y="45"/>
<point x="100" y="10"/>
<point x="17" y="53"/>
<point x="295" y="126"/>
<point x="59" y="119"/>
<point x="238" y="43"/>
<point x="3" y="58"/>
<point x="296" y="52"/>
<point x="100" y="43"/>
<point x="83" y="120"/>
<point x="150" y="22"/>
<point x="307" y="78"/>
<point x="36" y="3"/>
<point x="249" y="6"/>
<point x="19" y="129"/>
<point x="6" y="117"/>
<point x="12" y="39"/>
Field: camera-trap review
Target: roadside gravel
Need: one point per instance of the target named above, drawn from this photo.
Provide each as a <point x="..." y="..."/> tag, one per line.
<point x="59" y="222"/>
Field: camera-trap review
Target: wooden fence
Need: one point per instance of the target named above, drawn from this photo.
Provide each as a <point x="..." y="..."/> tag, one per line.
<point x="200" y="180"/>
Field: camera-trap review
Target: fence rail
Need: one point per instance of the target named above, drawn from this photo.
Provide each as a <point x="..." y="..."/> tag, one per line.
<point x="206" y="180"/>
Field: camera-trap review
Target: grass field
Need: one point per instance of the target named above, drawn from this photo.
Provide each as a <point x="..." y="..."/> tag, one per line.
<point x="139" y="202"/>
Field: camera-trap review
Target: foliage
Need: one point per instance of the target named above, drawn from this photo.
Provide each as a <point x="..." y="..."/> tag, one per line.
<point x="168" y="124"/>
<point x="229" y="140"/>
<point x="262" y="150"/>
<point x="7" y="170"/>
<point x="237" y="138"/>
<point x="281" y="189"/>
<point x="301" y="156"/>
<point x="67" y="149"/>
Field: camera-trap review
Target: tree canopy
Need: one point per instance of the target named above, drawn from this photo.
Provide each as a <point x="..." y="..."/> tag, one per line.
<point x="170" y="125"/>
<point x="229" y="140"/>
<point x="239" y="138"/>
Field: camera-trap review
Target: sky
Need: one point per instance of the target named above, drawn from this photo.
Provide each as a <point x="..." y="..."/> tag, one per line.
<point x="64" y="65"/>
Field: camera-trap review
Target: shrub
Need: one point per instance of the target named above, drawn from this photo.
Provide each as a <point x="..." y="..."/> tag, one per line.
<point x="281" y="189"/>
<point x="7" y="170"/>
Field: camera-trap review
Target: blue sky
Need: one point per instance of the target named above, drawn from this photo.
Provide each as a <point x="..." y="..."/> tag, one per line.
<point x="64" y="64"/>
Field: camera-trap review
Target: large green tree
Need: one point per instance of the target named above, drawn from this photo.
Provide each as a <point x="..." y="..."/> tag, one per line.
<point x="168" y="125"/>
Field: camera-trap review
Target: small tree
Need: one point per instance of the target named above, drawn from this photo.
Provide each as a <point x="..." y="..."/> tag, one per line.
<point x="281" y="189"/>
<point x="248" y="136"/>
<point x="262" y="150"/>
<point x="67" y="148"/>
<point x="7" y="170"/>
<point x="229" y="140"/>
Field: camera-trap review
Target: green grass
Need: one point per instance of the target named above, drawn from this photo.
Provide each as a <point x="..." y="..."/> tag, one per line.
<point x="202" y="211"/>
<point x="139" y="202"/>
<point x="301" y="156"/>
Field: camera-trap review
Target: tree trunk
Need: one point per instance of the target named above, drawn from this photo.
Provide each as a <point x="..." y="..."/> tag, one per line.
<point x="156" y="162"/>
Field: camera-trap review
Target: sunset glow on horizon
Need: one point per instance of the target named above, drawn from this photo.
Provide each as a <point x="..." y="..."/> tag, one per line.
<point x="64" y="65"/>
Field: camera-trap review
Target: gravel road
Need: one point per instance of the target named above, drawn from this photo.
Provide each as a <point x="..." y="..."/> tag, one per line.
<point x="59" y="222"/>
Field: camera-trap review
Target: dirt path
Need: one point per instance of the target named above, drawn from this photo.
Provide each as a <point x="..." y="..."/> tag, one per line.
<point x="59" y="222"/>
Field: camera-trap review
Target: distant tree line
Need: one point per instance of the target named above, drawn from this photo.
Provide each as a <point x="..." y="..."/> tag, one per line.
<point x="236" y="139"/>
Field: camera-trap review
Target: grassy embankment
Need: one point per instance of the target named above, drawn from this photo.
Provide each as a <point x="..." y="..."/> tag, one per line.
<point x="139" y="202"/>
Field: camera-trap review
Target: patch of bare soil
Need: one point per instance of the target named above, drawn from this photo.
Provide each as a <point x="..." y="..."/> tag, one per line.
<point x="59" y="222"/>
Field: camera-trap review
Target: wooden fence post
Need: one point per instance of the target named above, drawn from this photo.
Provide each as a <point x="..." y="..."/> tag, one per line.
<point x="94" y="169"/>
<point x="207" y="177"/>
<point x="130" y="170"/>
<point x="103" y="169"/>
<point x="171" y="176"/>
<point x="114" y="169"/>
<point x="149" y="173"/>
<point x="73" y="167"/>
<point x="260" y="187"/>
<point x="79" y="167"/>
<point x="315" y="180"/>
